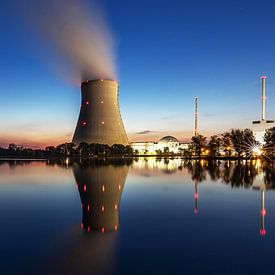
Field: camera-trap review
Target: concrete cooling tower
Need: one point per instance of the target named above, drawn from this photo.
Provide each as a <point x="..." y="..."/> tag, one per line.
<point x="99" y="119"/>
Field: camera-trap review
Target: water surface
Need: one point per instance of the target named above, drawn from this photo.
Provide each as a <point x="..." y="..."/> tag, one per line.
<point x="142" y="216"/>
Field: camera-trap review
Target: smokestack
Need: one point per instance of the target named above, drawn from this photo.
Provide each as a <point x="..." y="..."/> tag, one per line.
<point x="263" y="97"/>
<point x="196" y="116"/>
<point x="99" y="119"/>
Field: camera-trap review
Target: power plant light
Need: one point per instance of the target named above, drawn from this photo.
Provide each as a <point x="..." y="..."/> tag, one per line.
<point x="256" y="150"/>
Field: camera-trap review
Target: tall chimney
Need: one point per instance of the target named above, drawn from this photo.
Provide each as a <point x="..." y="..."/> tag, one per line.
<point x="263" y="97"/>
<point x="196" y="116"/>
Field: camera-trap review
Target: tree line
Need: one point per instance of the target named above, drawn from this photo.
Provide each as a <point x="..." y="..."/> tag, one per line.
<point x="67" y="150"/>
<point x="238" y="143"/>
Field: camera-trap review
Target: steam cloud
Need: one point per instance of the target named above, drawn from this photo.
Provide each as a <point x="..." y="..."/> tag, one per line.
<point x="78" y="33"/>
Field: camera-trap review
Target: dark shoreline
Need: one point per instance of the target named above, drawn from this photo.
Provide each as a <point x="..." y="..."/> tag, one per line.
<point x="128" y="156"/>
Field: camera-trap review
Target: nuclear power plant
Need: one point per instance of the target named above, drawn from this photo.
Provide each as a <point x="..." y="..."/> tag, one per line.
<point x="260" y="126"/>
<point x="99" y="119"/>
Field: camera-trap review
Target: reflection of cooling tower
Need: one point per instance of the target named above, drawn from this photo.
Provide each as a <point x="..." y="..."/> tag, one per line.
<point x="100" y="120"/>
<point x="100" y="189"/>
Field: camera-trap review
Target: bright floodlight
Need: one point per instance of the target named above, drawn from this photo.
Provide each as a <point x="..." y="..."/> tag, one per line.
<point x="256" y="150"/>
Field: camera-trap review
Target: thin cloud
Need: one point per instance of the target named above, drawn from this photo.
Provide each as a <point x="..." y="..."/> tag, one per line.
<point x="168" y="117"/>
<point x="208" y="115"/>
<point x="146" y="132"/>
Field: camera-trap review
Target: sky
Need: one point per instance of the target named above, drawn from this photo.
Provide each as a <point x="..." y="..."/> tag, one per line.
<point x="166" y="52"/>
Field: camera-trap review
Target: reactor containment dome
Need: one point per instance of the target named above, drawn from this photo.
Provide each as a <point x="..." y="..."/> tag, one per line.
<point x="99" y="119"/>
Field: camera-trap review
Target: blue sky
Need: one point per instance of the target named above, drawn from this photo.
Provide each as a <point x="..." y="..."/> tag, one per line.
<point x="167" y="52"/>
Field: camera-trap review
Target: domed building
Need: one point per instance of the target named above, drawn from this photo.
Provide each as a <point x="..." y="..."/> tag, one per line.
<point x="166" y="144"/>
<point x="169" y="144"/>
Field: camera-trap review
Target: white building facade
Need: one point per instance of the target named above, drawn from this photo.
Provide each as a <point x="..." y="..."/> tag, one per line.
<point x="167" y="144"/>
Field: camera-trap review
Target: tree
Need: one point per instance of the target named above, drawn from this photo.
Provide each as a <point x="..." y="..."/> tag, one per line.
<point x="70" y="148"/>
<point x="243" y="141"/>
<point x="269" y="137"/>
<point x="237" y="140"/>
<point x="129" y="150"/>
<point x="66" y="149"/>
<point x="51" y="150"/>
<point x="198" y="144"/>
<point x="84" y="149"/>
<point x="214" y="145"/>
<point x="227" y="143"/>
<point x="12" y="147"/>
<point x="118" y="149"/>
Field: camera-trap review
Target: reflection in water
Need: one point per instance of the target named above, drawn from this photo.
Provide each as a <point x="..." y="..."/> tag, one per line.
<point x="100" y="184"/>
<point x="196" y="197"/>
<point x="157" y="186"/>
<point x="100" y="188"/>
<point x="263" y="212"/>
<point x="254" y="174"/>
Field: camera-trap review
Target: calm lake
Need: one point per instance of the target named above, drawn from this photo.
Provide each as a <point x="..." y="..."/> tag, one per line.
<point x="141" y="216"/>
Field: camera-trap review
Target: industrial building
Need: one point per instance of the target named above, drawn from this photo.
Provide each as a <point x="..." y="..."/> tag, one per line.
<point x="99" y="119"/>
<point x="260" y="126"/>
<point x="166" y="144"/>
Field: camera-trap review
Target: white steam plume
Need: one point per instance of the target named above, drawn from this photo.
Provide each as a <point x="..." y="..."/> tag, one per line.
<point x="78" y="33"/>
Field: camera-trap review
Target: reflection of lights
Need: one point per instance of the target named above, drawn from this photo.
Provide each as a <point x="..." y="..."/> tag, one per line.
<point x="196" y="211"/>
<point x="82" y="226"/>
<point x="102" y="229"/>
<point x="258" y="162"/>
<point x="88" y="228"/>
<point x="85" y="188"/>
<point x="256" y="150"/>
<point x="196" y="195"/>
<point x="263" y="213"/>
<point x="262" y="232"/>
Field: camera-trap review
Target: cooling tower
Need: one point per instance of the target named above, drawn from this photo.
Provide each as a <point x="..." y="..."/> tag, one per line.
<point x="99" y="119"/>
